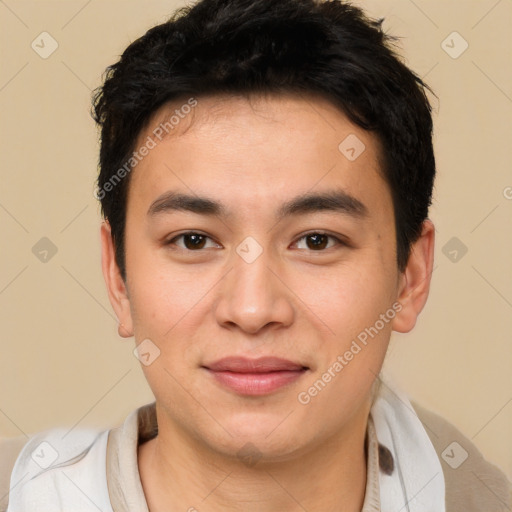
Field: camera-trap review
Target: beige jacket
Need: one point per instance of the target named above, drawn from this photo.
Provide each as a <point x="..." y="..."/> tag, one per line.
<point x="473" y="486"/>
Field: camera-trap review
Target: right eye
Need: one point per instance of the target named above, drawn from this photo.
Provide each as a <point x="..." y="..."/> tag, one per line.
<point x="192" y="241"/>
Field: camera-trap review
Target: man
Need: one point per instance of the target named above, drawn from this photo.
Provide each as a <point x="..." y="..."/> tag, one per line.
<point x="266" y="170"/>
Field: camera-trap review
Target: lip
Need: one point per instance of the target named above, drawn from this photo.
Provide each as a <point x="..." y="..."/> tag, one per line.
<point x="255" y="376"/>
<point x="260" y="365"/>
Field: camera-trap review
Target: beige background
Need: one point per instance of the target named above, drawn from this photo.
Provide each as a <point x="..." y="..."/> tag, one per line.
<point x="62" y="362"/>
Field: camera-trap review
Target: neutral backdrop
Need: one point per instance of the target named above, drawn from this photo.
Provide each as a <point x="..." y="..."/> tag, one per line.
<point x="61" y="360"/>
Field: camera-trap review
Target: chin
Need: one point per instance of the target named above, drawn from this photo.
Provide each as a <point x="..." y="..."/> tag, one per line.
<point x="268" y="435"/>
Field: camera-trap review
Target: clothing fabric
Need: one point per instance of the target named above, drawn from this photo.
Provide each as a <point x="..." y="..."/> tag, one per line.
<point x="60" y="471"/>
<point x="102" y="466"/>
<point x="410" y="486"/>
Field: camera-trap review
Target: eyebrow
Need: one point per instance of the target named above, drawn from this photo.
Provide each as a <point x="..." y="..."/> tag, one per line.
<point x="334" y="201"/>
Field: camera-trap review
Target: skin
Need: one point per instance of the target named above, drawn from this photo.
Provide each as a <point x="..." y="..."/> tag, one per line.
<point x="294" y="301"/>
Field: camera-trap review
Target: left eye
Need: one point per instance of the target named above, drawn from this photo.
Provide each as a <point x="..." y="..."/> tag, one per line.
<point x="318" y="241"/>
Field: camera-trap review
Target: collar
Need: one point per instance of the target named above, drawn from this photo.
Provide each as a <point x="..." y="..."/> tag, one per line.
<point x="123" y="478"/>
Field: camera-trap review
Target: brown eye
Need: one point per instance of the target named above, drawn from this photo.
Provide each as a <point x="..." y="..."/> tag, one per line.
<point x="192" y="241"/>
<point x="318" y="241"/>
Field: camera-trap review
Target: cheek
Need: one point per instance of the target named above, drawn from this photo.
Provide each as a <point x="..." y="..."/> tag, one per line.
<point x="162" y="310"/>
<point x="159" y="295"/>
<point x="160" y="304"/>
<point x="353" y="357"/>
<point x="350" y="298"/>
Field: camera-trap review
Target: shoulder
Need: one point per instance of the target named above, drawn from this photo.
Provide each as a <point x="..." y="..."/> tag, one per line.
<point x="34" y="466"/>
<point x="472" y="483"/>
<point x="10" y="448"/>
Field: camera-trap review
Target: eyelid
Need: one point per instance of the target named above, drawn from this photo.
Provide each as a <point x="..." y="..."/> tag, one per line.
<point x="341" y="241"/>
<point x="179" y="235"/>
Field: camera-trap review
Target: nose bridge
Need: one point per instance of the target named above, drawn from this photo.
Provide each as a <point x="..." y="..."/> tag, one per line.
<point x="252" y="296"/>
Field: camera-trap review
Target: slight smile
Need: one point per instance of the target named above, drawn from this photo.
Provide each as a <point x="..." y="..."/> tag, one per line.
<point x="255" y="377"/>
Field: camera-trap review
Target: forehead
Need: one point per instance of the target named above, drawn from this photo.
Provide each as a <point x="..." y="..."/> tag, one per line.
<point x="249" y="150"/>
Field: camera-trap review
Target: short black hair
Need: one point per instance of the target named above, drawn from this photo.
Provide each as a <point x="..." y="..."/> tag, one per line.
<point x="330" y="48"/>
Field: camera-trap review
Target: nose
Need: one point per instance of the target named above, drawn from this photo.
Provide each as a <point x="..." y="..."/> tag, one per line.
<point x="254" y="296"/>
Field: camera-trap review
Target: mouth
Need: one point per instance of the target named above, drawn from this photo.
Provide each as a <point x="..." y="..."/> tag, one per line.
<point x="255" y="377"/>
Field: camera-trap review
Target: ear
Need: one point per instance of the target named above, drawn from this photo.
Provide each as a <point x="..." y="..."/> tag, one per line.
<point x="116" y="288"/>
<point x="414" y="283"/>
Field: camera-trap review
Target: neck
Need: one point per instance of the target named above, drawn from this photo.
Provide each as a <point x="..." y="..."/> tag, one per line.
<point x="180" y="473"/>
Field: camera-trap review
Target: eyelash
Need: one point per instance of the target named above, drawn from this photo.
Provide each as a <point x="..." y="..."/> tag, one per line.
<point x="339" y="241"/>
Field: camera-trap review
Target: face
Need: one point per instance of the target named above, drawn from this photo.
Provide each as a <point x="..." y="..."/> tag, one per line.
<point x="251" y="234"/>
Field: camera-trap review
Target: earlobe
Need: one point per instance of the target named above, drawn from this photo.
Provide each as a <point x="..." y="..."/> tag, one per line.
<point x="415" y="280"/>
<point x="116" y="287"/>
<point x="123" y="331"/>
